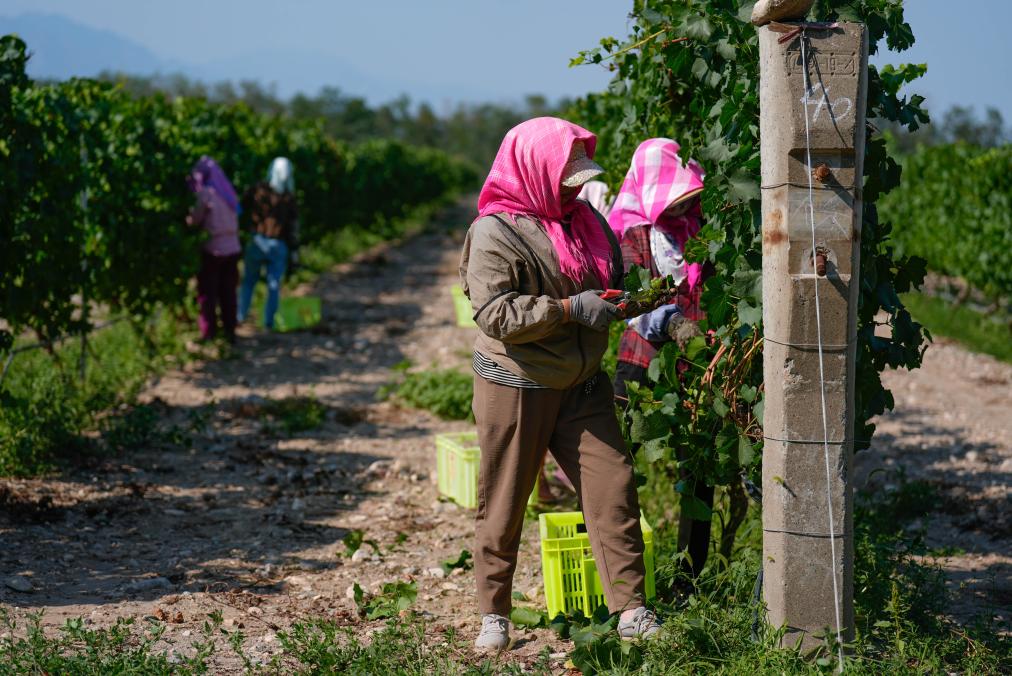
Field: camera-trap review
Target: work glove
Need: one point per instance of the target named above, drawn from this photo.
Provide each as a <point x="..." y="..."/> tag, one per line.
<point x="654" y="325"/>
<point x="682" y="330"/>
<point x="589" y="309"/>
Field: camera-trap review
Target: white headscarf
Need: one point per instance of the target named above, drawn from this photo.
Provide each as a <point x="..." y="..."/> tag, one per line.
<point x="281" y="175"/>
<point x="596" y="192"/>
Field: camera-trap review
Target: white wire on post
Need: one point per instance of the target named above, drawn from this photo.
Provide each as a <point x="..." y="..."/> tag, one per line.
<point x="822" y="376"/>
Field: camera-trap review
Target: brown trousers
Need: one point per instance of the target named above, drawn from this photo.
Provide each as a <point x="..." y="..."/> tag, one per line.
<point x="515" y="428"/>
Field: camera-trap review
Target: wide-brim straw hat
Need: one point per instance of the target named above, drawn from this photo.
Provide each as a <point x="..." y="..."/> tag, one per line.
<point x="580" y="168"/>
<point x="685" y="198"/>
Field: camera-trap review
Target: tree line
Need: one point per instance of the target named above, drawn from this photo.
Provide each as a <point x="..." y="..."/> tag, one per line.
<point x="469" y="131"/>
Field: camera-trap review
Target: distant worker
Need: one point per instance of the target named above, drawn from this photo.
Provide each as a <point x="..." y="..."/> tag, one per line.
<point x="216" y="210"/>
<point x="534" y="265"/>
<point x="655" y="214"/>
<point x="274" y="221"/>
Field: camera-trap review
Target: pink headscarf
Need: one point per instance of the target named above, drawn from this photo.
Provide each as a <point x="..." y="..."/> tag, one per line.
<point x="526" y="179"/>
<point x="656" y="179"/>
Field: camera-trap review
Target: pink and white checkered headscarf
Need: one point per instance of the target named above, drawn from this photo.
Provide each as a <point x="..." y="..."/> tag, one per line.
<point x="526" y="179"/>
<point x="657" y="178"/>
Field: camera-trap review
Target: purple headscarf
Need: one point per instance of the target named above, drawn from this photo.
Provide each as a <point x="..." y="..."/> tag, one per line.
<point x="207" y="173"/>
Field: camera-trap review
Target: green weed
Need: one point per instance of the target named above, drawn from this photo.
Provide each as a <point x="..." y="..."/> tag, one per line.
<point x="900" y="601"/>
<point x="124" y="648"/>
<point x="445" y="392"/>
<point x="353" y="541"/>
<point x="296" y="414"/>
<point x="979" y="332"/>
<point x="136" y="426"/>
<point x="409" y="647"/>
<point x="464" y="562"/>
<point x="392" y="599"/>
<point x="399" y="540"/>
<point x="525" y="616"/>
<point x="46" y="410"/>
<point x="341" y="245"/>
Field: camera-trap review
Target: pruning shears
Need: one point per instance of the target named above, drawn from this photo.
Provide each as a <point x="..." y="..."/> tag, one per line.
<point x="617" y="297"/>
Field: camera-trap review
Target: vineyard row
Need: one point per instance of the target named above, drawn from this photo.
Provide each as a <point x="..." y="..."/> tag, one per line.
<point x="93" y="196"/>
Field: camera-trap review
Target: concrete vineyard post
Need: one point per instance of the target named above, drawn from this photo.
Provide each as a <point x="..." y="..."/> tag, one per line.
<point x="798" y="557"/>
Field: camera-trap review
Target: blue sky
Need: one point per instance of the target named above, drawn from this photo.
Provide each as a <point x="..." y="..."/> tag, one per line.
<point x="449" y="50"/>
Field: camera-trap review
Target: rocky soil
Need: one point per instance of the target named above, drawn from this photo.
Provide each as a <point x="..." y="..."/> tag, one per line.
<point x="248" y="520"/>
<point x="952" y="428"/>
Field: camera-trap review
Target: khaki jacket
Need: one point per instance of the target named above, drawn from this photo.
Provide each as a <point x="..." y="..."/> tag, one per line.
<point x="511" y="274"/>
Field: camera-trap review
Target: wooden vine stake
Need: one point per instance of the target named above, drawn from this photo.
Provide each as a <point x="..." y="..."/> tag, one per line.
<point x="812" y="157"/>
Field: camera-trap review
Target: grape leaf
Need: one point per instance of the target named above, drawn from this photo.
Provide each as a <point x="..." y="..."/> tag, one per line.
<point x="655" y="449"/>
<point x="748" y="392"/>
<point x="749" y="315"/>
<point x="527" y="617"/>
<point x="695" y="508"/>
<point x="746" y="453"/>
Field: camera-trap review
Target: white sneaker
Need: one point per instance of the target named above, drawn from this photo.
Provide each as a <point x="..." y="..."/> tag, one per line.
<point x="643" y="624"/>
<point x="495" y="633"/>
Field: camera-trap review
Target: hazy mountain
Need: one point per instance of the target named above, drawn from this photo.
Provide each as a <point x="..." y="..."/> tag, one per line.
<point x="62" y="48"/>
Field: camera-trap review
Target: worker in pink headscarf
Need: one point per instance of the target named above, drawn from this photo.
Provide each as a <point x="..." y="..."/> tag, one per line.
<point x="534" y="265"/>
<point x="655" y="214"/>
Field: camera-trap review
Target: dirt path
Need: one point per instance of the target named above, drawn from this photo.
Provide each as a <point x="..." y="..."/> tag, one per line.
<point x="952" y="428"/>
<point x="249" y="521"/>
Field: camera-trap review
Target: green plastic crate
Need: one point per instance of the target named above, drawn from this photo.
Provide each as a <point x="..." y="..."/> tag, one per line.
<point x="294" y="313"/>
<point x="300" y="312"/>
<point x="457" y="460"/>
<point x="462" y="304"/>
<point x="568" y="568"/>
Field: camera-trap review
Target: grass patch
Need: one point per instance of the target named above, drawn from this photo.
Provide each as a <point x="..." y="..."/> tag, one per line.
<point x="981" y="333"/>
<point x="407" y="646"/>
<point x="125" y="648"/>
<point x="333" y="248"/>
<point x="340" y="245"/>
<point x="448" y="392"/>
<point x="445" y="392"/>
<point x="132" y="427"/>
<point x="296" y="414"/>
<point x="46" y="411"/>
<point x="899" y="603"/>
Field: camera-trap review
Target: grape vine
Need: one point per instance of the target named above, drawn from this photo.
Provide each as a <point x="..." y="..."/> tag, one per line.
<point x="955" y="210"/>
<point x="689" y="70"/>
<point x="93" y="197"/>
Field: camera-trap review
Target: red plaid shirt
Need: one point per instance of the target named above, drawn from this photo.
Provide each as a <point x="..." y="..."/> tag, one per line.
<point x="634" y="348"/>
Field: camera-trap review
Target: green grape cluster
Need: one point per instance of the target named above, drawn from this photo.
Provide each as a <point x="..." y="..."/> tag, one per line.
<point x="660" y="291"/>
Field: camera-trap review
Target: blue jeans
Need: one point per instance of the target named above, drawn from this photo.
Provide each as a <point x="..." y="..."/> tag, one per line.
<point x="261" y="252"/>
